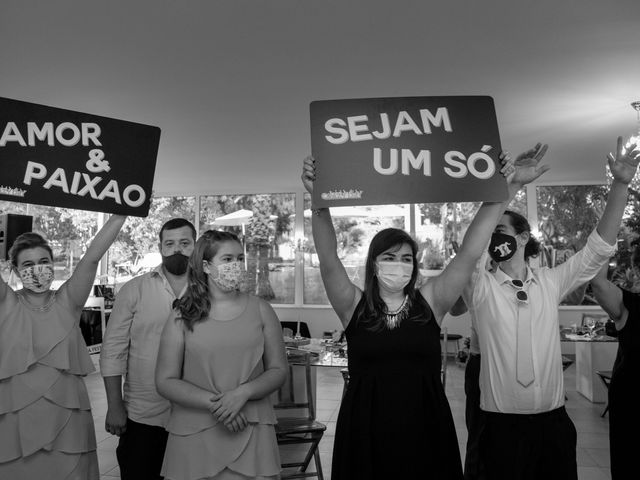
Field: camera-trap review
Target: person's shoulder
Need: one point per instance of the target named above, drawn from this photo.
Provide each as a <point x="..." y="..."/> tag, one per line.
<point x="138" y="281"/>
<point x="262" y="304"/>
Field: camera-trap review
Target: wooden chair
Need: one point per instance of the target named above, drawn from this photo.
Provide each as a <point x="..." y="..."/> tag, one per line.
<point x="605" y="376"/>
<point x="300" y="429"/>
<point x="453" y="337"/>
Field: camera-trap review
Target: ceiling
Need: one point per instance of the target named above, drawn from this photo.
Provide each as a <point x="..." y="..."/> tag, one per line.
<point x="229" y="81"/>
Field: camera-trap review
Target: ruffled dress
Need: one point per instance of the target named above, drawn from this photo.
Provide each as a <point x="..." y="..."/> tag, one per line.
<point x="46" y="426"/>
<point x="218" y="357"/>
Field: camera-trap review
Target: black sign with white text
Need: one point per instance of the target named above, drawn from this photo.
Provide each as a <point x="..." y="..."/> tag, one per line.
<point x="376" y="151"/>
<point x="57" y="157"/>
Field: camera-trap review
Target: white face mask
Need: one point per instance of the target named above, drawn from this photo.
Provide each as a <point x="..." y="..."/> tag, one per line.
<point x="394" y="276"/>
<point x="229" y="276"/>
<point x="37" y="278"/>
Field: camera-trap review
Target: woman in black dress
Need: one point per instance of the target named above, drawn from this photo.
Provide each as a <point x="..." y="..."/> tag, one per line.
<point x="395" y="420"/>
<point x="623" y="308"/>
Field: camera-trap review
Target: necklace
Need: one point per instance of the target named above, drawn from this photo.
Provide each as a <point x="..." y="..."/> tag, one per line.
<point x="393" y="319"/>
<point x="38" y="308"/>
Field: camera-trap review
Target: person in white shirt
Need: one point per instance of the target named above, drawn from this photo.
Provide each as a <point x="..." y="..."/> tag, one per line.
<point x="130" y="349"/>
<point x="528" y="434"/>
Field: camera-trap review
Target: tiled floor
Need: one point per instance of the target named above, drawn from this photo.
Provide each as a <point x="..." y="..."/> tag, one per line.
<point x="593" y="440"/>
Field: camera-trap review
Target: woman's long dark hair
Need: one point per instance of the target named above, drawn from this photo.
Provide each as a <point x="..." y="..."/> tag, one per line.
<point x="520" y="224"/>
<point x="195" y="304"/>
<point x="372" y="315"/>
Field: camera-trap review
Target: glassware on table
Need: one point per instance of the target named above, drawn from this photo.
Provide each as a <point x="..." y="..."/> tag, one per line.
<point x="590" y="323"/>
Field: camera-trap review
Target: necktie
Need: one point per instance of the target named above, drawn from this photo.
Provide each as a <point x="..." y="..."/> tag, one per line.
<point x="524" y="359"/>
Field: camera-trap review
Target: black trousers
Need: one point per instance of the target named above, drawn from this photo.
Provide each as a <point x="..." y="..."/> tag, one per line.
<point x="140" y="451"/>
<point x="474" y="418"/>
<point x="529" y="447"/>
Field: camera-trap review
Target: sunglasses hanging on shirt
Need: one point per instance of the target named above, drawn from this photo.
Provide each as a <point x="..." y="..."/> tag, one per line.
<point x="521" y="295"/>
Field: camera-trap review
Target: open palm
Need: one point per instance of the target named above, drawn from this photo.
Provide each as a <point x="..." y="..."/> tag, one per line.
<point x="527" y="165"/>
<point x="623" y="167"/>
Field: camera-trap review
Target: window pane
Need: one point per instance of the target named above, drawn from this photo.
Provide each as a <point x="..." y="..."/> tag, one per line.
<point x="355" y="227"/>
<point x="566" y="217"/>
<point x="265" y="224"/>
<point x="135" y="250"/>
<point x="68" y="232"/>
<point x="440" y="230"/>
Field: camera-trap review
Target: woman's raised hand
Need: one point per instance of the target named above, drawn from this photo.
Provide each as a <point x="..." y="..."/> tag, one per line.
<point x="623" y="166"/>
<point x="308" y="173"/>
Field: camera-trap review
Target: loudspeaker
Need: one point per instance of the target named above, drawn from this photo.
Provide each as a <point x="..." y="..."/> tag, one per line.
<point x="11" y="227"/>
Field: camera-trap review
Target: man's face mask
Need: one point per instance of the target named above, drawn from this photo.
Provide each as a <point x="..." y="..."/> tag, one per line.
<point x="176" y="264"/>
<point x="37" y="278"/>
<point x="502" y="247"/>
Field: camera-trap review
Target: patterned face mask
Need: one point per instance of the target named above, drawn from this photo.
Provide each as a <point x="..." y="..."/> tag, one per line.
<point x="230" y="276"/>
<point x="37" y="278"/>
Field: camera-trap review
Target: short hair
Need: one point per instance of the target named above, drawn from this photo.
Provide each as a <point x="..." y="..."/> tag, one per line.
<point x="176" y="223"/>
<point x="25" y="242"/>
<point x="520" y="224"/>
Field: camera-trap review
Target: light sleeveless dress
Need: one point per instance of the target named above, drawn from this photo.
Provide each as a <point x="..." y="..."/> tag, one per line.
<point x="46" y="426"/>
<point x="218" y="357"/>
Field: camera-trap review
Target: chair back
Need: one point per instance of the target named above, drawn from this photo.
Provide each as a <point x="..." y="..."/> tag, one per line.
<point x="287" y="397"/>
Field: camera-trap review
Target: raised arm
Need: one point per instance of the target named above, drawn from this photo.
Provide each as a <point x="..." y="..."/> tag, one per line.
<point x="342" y="294"/>
<point x="442" y="291"/>
<point x="623" y="168"/>
<point x="609" y="296"/>
<point x="81" y="281"/>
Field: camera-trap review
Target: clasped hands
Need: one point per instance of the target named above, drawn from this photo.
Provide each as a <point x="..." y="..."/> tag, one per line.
<point x="226" y="406"/>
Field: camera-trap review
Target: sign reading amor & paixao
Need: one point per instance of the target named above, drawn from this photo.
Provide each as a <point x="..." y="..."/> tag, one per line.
<point x="51" y="156"/>
<point x="406" y="150"/>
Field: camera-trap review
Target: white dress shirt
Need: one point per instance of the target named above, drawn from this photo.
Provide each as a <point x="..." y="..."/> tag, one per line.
<point x="130" y="344"/>
<point x="492" y="303"/>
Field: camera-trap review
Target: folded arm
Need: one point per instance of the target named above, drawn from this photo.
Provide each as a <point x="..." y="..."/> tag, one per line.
<point x="169" y="382"/>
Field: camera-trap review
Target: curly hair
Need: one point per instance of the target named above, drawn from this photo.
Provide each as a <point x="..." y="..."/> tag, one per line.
<point x="195" y="304"/>
<point x="520" y="224"/>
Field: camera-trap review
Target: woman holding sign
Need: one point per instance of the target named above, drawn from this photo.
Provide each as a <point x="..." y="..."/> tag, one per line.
<point x="395" y="420"/>
<point x="46" y="426"/>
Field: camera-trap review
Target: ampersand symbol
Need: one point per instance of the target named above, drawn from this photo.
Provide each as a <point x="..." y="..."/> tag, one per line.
<point x="96" y="164"/>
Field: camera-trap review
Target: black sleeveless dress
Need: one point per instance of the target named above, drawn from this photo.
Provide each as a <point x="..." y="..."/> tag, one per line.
<point x="624" y="413"/>
<point x="395" y="421"/>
